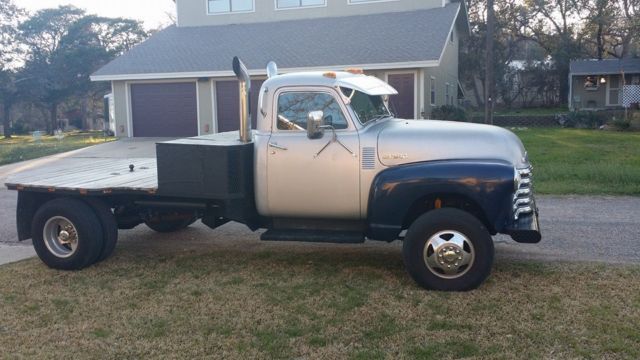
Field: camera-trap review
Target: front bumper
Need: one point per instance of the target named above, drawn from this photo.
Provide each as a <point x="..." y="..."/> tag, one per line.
<point x="526" y="229"/>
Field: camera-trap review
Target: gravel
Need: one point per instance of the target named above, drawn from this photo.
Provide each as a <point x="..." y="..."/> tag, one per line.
<point x="574" y="228"/>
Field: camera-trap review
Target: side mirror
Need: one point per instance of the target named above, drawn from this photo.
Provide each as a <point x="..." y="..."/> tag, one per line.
<point x="315" y="122"/>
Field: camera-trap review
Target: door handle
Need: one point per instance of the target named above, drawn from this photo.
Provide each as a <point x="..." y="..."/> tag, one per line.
<point x="274" y="145"/>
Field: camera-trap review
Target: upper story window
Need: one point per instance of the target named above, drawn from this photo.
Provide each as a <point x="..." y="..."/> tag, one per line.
<point x="293" y="4"/>
<point x="229" y="6"/>
<point x="365" y="1"/>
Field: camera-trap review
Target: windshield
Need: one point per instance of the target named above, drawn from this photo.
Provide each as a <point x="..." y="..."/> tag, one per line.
<point x="367" y="107"/>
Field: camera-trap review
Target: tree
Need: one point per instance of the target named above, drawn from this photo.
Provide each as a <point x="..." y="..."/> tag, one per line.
<point x="9" y="50"/>
<point x="65" y="46"/>
<point x="554" y="27"/>
<point x="51" y="78"/>
<point x="507" y="45"/>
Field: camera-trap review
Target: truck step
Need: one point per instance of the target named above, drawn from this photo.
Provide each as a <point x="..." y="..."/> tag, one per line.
<point x="316" y="236"/>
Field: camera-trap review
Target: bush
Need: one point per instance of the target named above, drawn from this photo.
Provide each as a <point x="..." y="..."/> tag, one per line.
<point x="20" y="128"/>
<point x="449" y="112"/>
<point x="620" y="124"/>
<point x="581" y="120"/>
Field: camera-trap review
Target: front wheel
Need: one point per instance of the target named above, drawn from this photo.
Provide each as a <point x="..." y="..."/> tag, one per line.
<point x="448" y="249"/>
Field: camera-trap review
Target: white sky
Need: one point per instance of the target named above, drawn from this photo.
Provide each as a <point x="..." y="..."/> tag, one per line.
<point x="152" y="12"/>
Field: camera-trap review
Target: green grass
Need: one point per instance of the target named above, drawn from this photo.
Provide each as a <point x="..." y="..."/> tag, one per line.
<point x="306" y="302"/>
<point x="21" y="148"/>
<point x="575" y="161"/>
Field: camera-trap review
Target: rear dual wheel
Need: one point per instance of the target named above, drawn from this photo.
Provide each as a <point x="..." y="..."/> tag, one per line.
<point x="70" y="234"/>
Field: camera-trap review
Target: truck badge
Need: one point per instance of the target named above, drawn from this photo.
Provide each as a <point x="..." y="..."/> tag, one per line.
<point x="395" y="156"/>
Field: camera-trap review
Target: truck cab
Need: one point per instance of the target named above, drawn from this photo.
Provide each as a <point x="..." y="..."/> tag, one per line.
<point x="328" y="162"/>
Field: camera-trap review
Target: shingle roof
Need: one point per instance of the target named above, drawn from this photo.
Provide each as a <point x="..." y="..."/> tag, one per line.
<point x="400" y="37"/>
<point x="607" y="66"/>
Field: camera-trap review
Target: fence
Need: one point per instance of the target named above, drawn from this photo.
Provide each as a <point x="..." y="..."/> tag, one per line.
<point x="521" y="120"/>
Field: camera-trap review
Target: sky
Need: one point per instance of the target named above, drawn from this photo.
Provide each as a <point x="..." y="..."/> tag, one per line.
<point x="152" y="12"/>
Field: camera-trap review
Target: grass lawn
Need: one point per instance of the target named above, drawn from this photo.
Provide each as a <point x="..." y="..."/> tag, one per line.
<point x="574" y="161"/>
<point x="20" y="148"/>
<point x="312" y="303"/>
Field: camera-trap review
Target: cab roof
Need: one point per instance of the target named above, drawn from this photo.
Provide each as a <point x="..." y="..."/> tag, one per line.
<point x="369" y="85"/>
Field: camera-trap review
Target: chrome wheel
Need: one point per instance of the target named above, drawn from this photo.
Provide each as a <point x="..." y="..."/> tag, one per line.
<point x="60" y="237"/>
<point x="449" y="254"/>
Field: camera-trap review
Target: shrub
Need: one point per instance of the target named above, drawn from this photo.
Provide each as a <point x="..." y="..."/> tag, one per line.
<point x="449" y="112"/>
<point x="20" y="128"/>
<point x="620" y="124"/>
<point x="581" y="120"/>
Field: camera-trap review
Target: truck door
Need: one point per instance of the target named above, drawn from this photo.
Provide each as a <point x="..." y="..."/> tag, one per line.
<point x="302" y="180"/>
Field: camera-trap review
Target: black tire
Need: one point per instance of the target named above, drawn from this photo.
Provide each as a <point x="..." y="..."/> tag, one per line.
<point x="443" y="220"/>
<point x="109" y="227"/>
<point x="170" y="226"/>
<point x="86" y="224"/>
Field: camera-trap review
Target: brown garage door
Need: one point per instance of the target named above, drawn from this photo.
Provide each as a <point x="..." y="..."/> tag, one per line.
<point x="164" y="110"/>
<point x="403" y="104"/>
<point x="228" y="104"/>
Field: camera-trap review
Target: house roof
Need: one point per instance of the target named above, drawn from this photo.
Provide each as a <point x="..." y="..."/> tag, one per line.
<point x="607" y="66"/>
<point x="379" y="41"/>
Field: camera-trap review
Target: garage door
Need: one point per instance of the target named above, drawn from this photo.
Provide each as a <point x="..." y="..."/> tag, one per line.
<point x="403" y="104"/>
<point x="164" y="110"/>
<point x="228" y="104"/>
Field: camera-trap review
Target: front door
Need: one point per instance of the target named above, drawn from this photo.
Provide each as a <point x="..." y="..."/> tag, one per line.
<point x="302" y="180"/>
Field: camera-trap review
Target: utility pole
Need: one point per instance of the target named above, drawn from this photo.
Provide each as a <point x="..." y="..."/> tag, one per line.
<point x="489" y="82"/>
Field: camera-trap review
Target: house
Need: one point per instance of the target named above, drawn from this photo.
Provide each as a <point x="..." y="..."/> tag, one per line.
<point x="179" y="82"/>
<point x="601" y="84"/>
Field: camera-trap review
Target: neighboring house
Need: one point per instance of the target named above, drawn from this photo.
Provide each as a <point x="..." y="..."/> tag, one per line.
<point x="601" y="84"/>
<point x="179" y="82"/>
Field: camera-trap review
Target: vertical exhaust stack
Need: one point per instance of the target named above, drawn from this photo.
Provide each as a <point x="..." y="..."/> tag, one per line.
<point x="244" y="85"/>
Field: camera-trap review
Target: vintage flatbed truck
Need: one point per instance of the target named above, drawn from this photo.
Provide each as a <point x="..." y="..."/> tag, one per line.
<point x="328" y="162"/>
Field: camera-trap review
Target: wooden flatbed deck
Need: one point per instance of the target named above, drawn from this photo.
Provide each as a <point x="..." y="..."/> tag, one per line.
<point x="90" y="175"/>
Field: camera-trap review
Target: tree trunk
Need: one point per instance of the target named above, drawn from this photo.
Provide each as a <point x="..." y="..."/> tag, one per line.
<point x="53" y="118"/>
<point x="477" y="83"/>
<point x="600" y="41"/>
<point x="489" y="79"/>
<point x="6" y="122"/>
<point x="563" y="75"/>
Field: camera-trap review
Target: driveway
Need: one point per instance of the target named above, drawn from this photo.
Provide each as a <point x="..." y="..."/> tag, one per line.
<point x="575" y="228"/>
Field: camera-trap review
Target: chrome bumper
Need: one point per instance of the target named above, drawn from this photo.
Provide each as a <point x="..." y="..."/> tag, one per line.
<point x="526" y="229"/>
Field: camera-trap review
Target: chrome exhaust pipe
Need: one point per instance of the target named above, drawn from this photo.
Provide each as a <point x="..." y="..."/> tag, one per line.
<point x="244" y="86"/>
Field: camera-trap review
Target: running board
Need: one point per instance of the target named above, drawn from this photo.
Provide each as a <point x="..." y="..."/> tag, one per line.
<point x="316" y="236"/>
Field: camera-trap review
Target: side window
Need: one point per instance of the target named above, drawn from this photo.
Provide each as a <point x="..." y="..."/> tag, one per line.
<point x="294" y="107"/>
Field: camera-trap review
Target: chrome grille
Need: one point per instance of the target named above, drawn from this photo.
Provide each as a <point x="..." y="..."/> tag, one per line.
<point x="368" y="158"/>
<point x="522" y="198"/>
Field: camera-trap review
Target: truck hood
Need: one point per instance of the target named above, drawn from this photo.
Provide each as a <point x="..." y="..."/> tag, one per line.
<point x="410" y="141"/>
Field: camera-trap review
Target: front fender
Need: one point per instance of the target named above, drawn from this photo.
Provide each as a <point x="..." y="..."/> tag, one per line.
<point x="488" y="183"/>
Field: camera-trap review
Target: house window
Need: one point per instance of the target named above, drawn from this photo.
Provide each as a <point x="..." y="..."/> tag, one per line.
<point x="591" y="83"/>
<point x="433" y="90"/>
<point x="364" y="1"/>
<point x="292" y="4"/>
<point x="229" y="6"/>
<point x="451" y="36"/>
